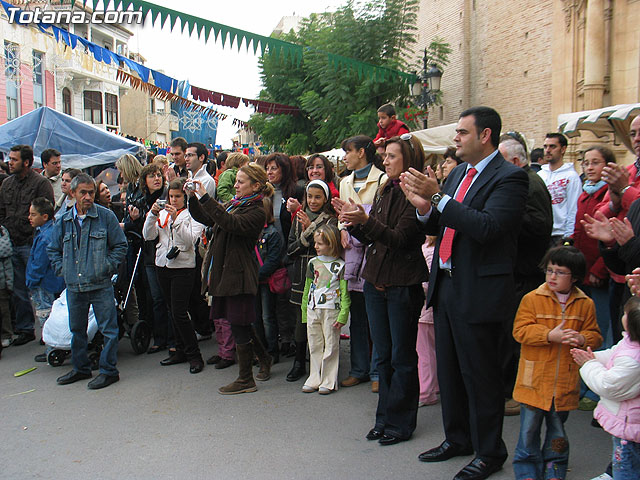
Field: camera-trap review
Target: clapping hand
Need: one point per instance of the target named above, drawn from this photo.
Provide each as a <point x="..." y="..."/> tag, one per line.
<point x="598" y="227"/>
<point x="353" y="214"/>
<point x="304" y="219"/>
<point x="419" y="188"/>
<point x="582" y="356"/>
<point x="633" y="280"/>
<point x="622" y="230"/>
<point x="616" y="176"/>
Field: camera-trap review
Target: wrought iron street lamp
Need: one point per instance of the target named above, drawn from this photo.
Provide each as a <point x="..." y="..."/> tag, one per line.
<point x="425" y="89"/>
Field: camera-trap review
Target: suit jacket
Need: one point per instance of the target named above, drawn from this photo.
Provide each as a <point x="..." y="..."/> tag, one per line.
<point x="487" y="223"/>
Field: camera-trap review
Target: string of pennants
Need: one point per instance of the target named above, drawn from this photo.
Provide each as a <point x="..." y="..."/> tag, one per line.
<point x="234" y="36"/>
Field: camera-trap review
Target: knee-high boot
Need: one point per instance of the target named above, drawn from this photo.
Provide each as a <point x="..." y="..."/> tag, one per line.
<point x="244" y="383"/>
<point x="263" y="357"/>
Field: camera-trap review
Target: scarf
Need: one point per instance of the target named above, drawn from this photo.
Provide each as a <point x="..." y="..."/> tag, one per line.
<point x="238" y="202"/>
<point x="590" y="188"/>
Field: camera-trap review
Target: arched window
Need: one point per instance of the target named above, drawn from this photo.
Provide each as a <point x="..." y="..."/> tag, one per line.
<point x="66" y="101"/>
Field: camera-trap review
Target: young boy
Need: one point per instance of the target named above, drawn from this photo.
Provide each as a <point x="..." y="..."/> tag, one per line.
<point x="45" y="286"/>
<point x="388" y="126"/>
<point x="551" y="320"/>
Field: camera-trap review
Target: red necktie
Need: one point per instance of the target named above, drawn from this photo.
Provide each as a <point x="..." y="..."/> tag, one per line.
<point x="447" y="238"/>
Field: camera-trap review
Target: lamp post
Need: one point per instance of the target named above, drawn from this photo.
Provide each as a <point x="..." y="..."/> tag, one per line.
<point x="426" y="88"/>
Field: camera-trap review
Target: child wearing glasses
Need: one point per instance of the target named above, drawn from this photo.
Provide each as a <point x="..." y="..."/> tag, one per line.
<point x="551" y="320"/>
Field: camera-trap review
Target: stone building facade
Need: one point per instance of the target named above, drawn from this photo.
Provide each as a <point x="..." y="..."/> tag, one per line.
<point x="532" y="61"/>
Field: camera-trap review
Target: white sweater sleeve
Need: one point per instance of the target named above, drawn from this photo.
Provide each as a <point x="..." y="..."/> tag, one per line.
<point x="574" y="190"/>
<point x="620" y="382"/>
<point x="150" y="227"/>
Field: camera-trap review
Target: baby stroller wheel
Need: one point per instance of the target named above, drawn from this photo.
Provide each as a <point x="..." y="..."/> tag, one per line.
<point x="94" y="358"/>
<point x="140" y="337"/>
<point x="56" y="357"/>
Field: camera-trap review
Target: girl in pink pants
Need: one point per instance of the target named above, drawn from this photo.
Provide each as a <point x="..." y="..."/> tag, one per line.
<point x="425" y="345"/>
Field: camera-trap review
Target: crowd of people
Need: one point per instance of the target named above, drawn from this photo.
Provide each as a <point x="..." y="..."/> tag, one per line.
<point x="487" y="282"/>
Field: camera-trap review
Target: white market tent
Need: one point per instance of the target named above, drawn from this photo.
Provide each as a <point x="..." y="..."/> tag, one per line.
<point x="82" y="145"/>
<point x="615" y="119"/>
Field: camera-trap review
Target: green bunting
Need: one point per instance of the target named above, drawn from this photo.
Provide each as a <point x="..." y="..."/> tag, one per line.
<point x="234" y="36"/>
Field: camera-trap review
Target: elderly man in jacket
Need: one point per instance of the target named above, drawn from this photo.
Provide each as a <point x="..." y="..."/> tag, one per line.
<point x="86" y="247"/>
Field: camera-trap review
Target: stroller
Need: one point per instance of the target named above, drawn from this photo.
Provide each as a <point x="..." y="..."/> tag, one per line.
<point x="56" y="334"/>
<point x="139" y="331"/>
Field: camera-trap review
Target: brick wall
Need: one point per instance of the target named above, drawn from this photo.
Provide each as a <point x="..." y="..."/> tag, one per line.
<point x="501" y="58"/>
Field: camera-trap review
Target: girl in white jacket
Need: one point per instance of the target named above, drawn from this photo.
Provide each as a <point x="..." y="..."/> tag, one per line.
<point x="177" y="234"/>
<point x="614" y="374"/>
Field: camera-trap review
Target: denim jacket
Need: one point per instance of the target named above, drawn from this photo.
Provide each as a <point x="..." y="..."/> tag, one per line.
<point x="103" y="246"/>
<point x="39" y="273"/>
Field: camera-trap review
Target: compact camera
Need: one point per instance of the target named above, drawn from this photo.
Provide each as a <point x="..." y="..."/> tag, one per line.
<point x="162" y="203"/>
<point x="173" y="253"/>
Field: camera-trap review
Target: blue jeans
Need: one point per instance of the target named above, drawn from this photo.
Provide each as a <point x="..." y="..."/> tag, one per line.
<point x="625" y="459"/>
<point x="25" y="318"/>
<point x="42" y="300"/>
<point x="162" y="330"/>
<point x="361" y="365"/>
<point x="529" y="461"/>
<point x="104" y="308"/>
<point x="393" y="319"/>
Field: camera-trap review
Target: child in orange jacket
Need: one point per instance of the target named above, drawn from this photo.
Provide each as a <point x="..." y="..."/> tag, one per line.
<point x="550" y="321"/>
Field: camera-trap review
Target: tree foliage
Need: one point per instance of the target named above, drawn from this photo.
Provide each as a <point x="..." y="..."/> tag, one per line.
<point x="336" y="104"/>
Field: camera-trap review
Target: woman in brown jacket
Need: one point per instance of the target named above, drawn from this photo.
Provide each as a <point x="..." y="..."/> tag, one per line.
<point x="233" y="279"/>
<point x="393" y="293"/>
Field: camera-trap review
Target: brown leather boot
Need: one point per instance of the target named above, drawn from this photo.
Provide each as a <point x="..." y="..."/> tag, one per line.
<point x="264" y="358"/>
<point x="244" y="383"/>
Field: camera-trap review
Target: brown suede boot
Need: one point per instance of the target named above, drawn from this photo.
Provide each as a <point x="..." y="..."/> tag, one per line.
<point x="264" y="358"/>
<point x="244" y="383"/>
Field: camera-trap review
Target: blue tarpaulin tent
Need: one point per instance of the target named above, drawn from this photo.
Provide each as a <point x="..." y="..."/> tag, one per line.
<point x="82" y="145"/>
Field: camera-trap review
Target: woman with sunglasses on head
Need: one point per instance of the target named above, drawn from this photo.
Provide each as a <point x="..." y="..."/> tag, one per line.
<point x="393" y="293"/>
<point x="233" y="284"/>
<point x="360" y="186"/>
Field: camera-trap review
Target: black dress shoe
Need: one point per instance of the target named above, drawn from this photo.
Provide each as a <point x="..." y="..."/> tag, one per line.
<point x="297" y="372"/>
<point x="196" y="366"/>
<point x="72" y="376"/>
<point x="374" y="434"/>
<point x="102" y="380"/>
<point x="478" y="469"/>
<point x="213" y="360"/>
<point x="173" y="359"/>
<point x="224" y="363"/>
<point x="23" y="338"/>
<point x="40" y="358"/>
<point x="390" y="440"/>
<point x="444" y="452"/>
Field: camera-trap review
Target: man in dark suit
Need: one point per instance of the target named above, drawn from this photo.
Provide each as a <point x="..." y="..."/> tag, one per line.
<point x="471" y="286"/>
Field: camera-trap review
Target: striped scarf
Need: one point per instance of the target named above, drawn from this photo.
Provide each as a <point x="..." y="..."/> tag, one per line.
<point x="238" y="202"/>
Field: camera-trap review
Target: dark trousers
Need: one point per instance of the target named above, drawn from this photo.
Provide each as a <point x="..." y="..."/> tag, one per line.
<point x="393" y="319"/>
<point x="176" y="284"/>
<point x="162" y="330"/>
<point x="198" y="306"/>
<point x="470" y="377"/>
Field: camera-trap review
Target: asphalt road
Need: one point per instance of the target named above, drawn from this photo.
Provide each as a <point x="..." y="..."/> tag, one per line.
<point x="164" y="423"/>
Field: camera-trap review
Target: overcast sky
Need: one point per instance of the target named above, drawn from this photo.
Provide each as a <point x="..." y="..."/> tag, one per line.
<point x="209" y="65"/>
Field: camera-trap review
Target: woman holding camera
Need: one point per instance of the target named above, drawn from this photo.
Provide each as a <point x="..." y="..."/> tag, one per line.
<point x="233" y="282"/>
<point x="177" y="233"/>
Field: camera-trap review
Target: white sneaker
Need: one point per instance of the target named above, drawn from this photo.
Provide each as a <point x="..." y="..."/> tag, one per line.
<point x="603" y="476"/>
<point x="6" y="342"/>
<point x="308" y="389"/>
<point x="325" y="391"/>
